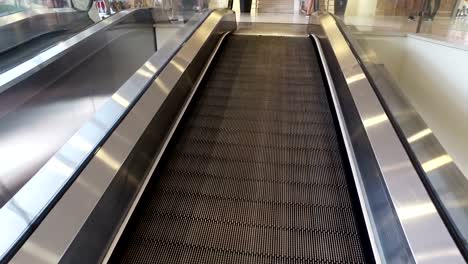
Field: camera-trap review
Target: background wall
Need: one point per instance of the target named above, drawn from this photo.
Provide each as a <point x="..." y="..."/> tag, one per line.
<point x="394" y="7"/>
<point x="361" y="8"/>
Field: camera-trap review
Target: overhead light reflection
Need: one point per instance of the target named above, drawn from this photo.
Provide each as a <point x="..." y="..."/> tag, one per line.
<point x="355" y="78"/>
<point x="178" y="66"/>
<point x="145" y="73"/>
<point x="150" y="67"/>
<point x="436" y="163"/>
<point x="375" y="120"/>
<point x="91" y="188"/>
<point x="40" y="253"/>
<point x="397" y="166"/>
<point x="120" y="100"/>
<point x="61" y="167"/>
<point x="341" y="50"/>
<point x="108" y="159"/>
<point x="81" y="143"/>
<point x="430" y="256"/>
<point x="419" y="135"/>
<point x="162" y="85"/>
<point x="415" y="211"/>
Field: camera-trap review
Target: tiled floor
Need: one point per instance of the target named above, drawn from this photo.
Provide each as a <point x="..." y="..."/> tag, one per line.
<point x="277" y="18"/>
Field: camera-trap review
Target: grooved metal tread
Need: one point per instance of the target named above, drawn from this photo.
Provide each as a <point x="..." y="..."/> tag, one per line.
<point x="254" y="174"/>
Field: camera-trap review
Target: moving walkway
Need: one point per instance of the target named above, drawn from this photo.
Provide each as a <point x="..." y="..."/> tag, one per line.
<point x="247" y="145"/>
<point x="256" y="161"/>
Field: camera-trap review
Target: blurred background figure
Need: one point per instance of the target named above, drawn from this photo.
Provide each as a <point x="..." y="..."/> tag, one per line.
<point x="176" y="10"/>
<point x="245" y="6"/>
<point x="309" y="8"/>
<point x="200" y="5"/>
<point x="432" y="8"/>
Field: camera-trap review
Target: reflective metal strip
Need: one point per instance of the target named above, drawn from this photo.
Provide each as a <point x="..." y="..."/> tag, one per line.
<point x="363" y="198"/>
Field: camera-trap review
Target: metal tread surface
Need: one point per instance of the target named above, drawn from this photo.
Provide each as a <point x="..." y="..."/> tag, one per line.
<point x="254" y="172"/>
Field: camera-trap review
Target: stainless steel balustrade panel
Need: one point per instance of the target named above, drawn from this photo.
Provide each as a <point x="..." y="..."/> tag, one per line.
<point x="16" y="17"/>
<point x="23" y="209"/>
<point x="38" y="121"/>
<point x="24" y="39"/>
<point x="448" y="183"/>
<point x="363" y="197"/>
<point x="25" y="69"/>
<point x="50" y="241"/>
<point x="426" y="234"/>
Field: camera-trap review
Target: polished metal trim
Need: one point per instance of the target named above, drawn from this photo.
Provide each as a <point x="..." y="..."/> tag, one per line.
<point x="20" y="213"/>
<point x="50" y="241"/>
<point x="25" y="69"/>
<point x="363" y="198"/>
<point x="424" y="230"/>
<point x="163" y="148"/>
<point x="447" y="181"/>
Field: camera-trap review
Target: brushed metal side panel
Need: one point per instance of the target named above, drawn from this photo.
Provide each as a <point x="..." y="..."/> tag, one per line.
<point x="118" y="167"/>
<point x="425" y="232"/>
